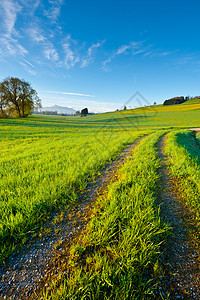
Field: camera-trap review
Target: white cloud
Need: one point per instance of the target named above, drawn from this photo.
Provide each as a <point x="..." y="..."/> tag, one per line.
<point x="27" y="69"/>
<point x="54" y="11"/>
<point x="10" y="10"/>
<point x="165" y="53"/>
<point x="138" y="48"/>
<point x="36" y="4"/>
<point x="71" y="58"/>
<point x="156" y="53"/>
<point x="35" y="34"/>
<point x="69" y="93"/>
<point x="51" y="53"/>
<point x="90" y="54"/>
<point x="121" y="50"/>
<point x="133" y="48"/>
<point x="149" y="53"/>
<point x="10" y="46"/>
<point x="186" y="59"/>
<point x="30" y="4"/>
<point x="20" y="49"/>
<point x="104" y="64"/>
<point x="135" y="45"/>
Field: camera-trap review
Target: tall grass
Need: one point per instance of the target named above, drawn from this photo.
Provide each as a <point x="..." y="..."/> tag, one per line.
<point x="45" y="160"/>
<point x="117" y="258"/>
<point x="184" y="157"/>
<point x="42" y="172"/>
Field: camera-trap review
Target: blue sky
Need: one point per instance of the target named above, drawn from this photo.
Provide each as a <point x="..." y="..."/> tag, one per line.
<point x="97" y="54"/>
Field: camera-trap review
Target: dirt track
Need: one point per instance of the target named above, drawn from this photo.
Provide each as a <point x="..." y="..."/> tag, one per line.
<point x="40" y="258"/>
<point x="180" y="259"/>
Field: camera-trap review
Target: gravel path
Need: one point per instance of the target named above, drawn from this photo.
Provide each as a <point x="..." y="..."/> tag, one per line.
<point x="26" y="272"/>
<point x="180" y="260"/>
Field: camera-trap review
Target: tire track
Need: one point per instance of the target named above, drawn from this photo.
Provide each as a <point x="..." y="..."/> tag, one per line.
<point x="40" y="259"/>
<point x="180" y="259"/>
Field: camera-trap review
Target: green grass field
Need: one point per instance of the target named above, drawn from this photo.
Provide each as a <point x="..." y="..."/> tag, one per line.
<point x="121" y="246"/>
<point x="46" y="161"/>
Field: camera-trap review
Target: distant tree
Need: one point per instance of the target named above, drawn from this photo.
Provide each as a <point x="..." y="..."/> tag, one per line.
<point x="18" y="97"/>
<point x="77" y="113"/>
<point x="125" y="108"/>
<point x="84" y="112"/>
<point x="154" y="103"/>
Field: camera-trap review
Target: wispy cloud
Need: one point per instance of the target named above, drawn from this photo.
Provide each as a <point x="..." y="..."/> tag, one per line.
<point x="139" y="47"/>
<point x="166" y="53"/>
<point x="132" y="48"/>
<point x="9" y="12"/>
<point x="71" y="57"/>
<point x="36" y="3"/>
<point x="148" y="53"/>
<point x="54" y="11"/>
<point x="135" y="48"/>
<point x="51" y="53"/>
<point x="187" y="59"/>
<point x="10" y="46"/>
<point x="35" y="34"/>
<point x="69" y="93"/>
<point x="31" y="5"/>
<point x="89" y="58"/>
<point x="27" y="69"/>
<point x="121" y="50"/>
<point x="157" y="53"/>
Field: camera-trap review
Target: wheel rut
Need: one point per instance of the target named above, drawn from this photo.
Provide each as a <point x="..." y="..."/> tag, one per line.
<point x="27" y="272"/>
<point x="180" y="256"/>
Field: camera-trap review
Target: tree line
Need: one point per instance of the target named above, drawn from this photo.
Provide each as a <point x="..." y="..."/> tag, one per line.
<point x="17" y="98"/>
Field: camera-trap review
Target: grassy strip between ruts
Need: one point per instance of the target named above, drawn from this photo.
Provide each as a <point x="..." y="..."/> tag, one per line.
<point x="117" y="257"/>
<point x="184" y="157"/>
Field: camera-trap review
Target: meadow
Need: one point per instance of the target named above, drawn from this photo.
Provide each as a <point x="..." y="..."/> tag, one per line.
<point x="121" y="244"/>
<point x="46" y="162"/>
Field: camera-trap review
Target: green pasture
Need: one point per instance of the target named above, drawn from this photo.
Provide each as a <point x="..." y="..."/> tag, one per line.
<point x="118" y="256"/>
<point x="47" y="160"/>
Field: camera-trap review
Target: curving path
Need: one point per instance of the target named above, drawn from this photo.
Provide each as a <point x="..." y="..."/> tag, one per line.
<point x="40" y="258"/>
